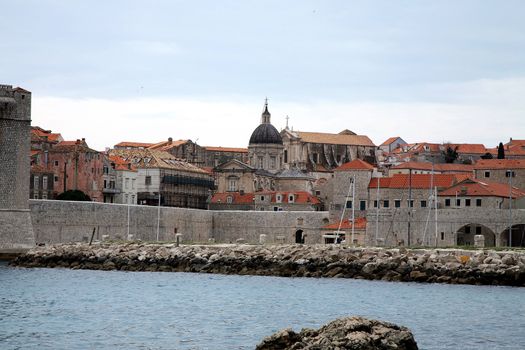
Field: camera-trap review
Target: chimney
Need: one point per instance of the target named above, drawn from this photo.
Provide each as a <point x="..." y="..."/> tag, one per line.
<point x="170" y="140"/>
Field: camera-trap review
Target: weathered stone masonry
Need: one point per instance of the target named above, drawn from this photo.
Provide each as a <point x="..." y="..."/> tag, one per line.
<point x="15" y="122"/>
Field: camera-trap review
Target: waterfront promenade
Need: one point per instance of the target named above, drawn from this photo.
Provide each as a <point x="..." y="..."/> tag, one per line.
<point x="455" y="266"/>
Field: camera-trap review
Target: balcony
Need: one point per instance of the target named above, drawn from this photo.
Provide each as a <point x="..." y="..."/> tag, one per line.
<point x="107" y="190"/>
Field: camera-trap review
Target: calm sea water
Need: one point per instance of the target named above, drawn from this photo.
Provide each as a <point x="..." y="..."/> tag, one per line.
<point x="82" y="309"/>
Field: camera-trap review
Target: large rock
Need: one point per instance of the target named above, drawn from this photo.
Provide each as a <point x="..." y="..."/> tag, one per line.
<point x="356" y="333"/>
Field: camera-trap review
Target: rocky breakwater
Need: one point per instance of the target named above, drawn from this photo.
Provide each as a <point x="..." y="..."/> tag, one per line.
<point x="344" y="333"/>
<point x="435" y="265"/>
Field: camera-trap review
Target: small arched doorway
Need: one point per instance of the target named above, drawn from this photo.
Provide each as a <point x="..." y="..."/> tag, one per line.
<point x="299" y="239"/>
<point x="518" y="236"/>
<point x="465" y="235"/>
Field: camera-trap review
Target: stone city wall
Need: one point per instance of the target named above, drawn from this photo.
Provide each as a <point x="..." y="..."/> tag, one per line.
<point x="63" y="221"/>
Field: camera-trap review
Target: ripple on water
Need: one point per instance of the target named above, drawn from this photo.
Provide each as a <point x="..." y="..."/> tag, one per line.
<point x="78" y="309"/>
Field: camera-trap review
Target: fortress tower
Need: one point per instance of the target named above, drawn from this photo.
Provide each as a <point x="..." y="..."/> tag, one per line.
<point x="16" y="230"/>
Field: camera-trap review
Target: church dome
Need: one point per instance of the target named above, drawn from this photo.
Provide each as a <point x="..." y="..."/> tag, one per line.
<point x="266" y="133"/>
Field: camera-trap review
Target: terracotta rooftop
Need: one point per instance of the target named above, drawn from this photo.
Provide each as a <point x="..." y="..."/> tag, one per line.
<point x="237" y="198"/>
<point x="419" y="181"/>
<point x="389" y="141"/>
<point x="335" y="139"/>
<point x="149" y="158"/>
<point x="133" y="144"/>
<point x="356" y="164"/>
<point x="166" y="145"/>
<point x="226" y="149"/>
<point x="478" y="188"/>
<point x="500" y="164"/>
<point x="121" y="164"/>
<point x="53" y="137"/>
<point x="360" y="224"/>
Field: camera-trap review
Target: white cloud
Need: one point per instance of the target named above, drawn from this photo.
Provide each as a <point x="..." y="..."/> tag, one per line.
<point x="481" y="112"/>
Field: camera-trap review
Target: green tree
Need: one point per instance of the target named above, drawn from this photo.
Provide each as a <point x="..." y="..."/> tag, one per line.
<point x="73" y="195"/>
<point x="450" y="154"/>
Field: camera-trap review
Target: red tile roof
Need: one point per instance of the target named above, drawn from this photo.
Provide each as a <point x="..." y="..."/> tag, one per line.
<point x="226" y="149"/>
<point x="237" y="198"/>
<point x="356" y="164"/>
<point x="167" y="145"/>
<point x="478" y="188"/>
<point x="389" y="141"/>
<point x="121" y="164"/>
<point x="53" y="137"/>
<point x="500" y="164"/>
<point x="384" y="182"/>
<point x="360" y="224"/>
<point x="419" y="181"/>
<point x="133" y="144"/>
<point x="300" y="197"/>
<point x="335" y="139"/>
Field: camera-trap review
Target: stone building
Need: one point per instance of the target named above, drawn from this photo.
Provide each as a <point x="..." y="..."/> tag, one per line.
<point x="76" y="166"/>
<point x="391" y="144"/>
<point x="219" y="155"/>
<point x="16" y="230"/>
<point x="179" y="183"/>
<point x="266" y="201"/>
<point x="41" y="183"/>
<point x="434" y="152"/>
<point x="405" y="190"/>
<point x="265" y="149"/>
<point x="429" y="168"/>
<point x="126" y="177"/>
<point x="502" y="171"/>
<point x="358" y="172"/>
<point x="317" y="152"/>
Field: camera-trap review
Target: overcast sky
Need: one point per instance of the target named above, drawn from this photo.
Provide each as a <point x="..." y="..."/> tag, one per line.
<point x="144" y="71"/>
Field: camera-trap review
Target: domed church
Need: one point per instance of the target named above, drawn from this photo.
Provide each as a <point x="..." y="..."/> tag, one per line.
<point x="265" y="149"/>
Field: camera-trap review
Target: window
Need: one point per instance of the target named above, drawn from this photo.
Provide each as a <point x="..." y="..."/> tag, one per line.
<point x="487" y="173"/>
<point x="35" y="182"/>
<point x="44" y="182"/>
<point x="423" y="204"/>
<point x="278" y="198"/>
<point x="232" y="184"/>
<point x="348" y="204"/>
<point x="317" y="193"/>
<point x="272" y="162"/>
<point x="375" y="204"/>
<point x="105" y="184"/>
<point x="286" y="156"/>
<point x="229" y="199"/>
<point x="510" y="173"/>
<point x="132" y="199"/>
<point x="467" y="202"/>
<point x="44" y="195"/>
<point x="132" y="184"/>
<point x="261" y="198"/>
<point x="447" y="202"/>
<point x="315" y="157"/>
<point x="148" y="180"/>
<point x="126" y="183"/>
<point x="35" y="195"/>
<point x="56" y="178"/>
<point x="458" y="202"/>
<point x="442" y="235"/>
<point x="56" y="162"/>
<point x="386" y="204"/>
<point x="362" y="205"/>
<point x="260" y="162"/>
<point x="397" y="203"/>
<point x="126" y="198"/>
<point x="478" y="202"/>
<point x="410" y="203"/>
<point x="291" y="198"/>
<point x="275" y="208"/>
<point x="105" y="170"/>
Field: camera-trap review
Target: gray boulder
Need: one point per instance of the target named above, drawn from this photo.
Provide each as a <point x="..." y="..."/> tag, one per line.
<point x="353" y="333"/>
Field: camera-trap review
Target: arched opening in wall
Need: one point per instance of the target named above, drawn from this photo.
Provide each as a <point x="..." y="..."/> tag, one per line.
<point x="465" y="235"/>
<point x="299" y="237"/>
<point x="518" y="236"/>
